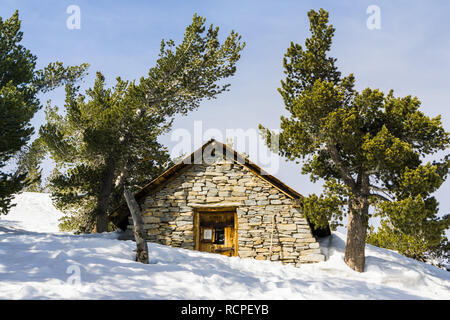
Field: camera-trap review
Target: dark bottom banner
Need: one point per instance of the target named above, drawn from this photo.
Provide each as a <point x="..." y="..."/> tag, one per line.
<point x="229" y="309"/>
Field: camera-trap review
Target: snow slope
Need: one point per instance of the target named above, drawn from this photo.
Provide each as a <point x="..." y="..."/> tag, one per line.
<point x="34" y="212"/>
<point x="38" y="262"/>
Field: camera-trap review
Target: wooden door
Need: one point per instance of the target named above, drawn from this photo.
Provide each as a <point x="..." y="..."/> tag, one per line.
<point x="216" y="232"/>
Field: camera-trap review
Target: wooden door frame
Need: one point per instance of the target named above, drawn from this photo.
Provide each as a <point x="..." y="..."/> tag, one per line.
<point x="212" y="209"/>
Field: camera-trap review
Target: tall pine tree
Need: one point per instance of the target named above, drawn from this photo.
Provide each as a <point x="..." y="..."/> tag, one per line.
<point x="20" y="83"/>
<point x="368" y="146"/>
<point x="107" y="141"/>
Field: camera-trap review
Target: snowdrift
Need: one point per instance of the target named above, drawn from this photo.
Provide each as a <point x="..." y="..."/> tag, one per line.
<point x="38" y="262"/>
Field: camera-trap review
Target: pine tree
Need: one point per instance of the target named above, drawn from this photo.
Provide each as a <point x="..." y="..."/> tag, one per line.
<point x="429" y="244"/>
<point x="20" y="84"/>
<point x="88" y="147"/>
<point x="367" y="146"/>
<point x="28" y="164"/>
<point x="106" y="144"/>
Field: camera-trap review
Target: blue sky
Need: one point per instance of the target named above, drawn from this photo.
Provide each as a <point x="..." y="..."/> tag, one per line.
<point x="410" y="53"/>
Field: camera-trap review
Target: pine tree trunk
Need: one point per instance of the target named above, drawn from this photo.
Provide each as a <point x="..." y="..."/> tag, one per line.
<point x="106" y="187"/>
<point x="356" y="238"/>
<point x="139" y="232"/>
<point x="101" y="223"/>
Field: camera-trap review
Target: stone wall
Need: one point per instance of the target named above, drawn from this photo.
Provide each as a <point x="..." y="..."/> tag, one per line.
<point x="269" y="226"/>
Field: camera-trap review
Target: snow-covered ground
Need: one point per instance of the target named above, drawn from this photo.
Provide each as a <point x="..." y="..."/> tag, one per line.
<point x="38" y="262"/>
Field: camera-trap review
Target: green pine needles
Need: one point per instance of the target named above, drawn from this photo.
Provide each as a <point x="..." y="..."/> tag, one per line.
<point x="367" y="146"/>
<point x="20" y="83"/>
<point x="107" y="140"/>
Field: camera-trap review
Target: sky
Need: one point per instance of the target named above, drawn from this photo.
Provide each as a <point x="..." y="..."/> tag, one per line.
<point x="408" y="53"/>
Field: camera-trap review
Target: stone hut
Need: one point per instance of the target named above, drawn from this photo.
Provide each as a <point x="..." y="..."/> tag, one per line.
<point x="217" y="200"/>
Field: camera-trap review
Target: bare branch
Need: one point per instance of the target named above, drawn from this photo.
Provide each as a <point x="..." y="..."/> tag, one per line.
<point x="375" y="188"/>
<point x="381" y="197"/>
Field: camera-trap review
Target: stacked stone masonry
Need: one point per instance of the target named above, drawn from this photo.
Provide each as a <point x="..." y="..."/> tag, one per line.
<point x="270" y="226"/>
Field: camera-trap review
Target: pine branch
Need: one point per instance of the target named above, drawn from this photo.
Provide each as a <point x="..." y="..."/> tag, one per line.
<point x="345" y="174"/>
